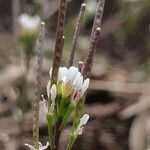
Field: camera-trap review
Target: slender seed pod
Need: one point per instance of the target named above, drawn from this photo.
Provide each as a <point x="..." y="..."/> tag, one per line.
<point x="89" y="61"/>
<point x="59" y="41"/>
<point x="98" y="18"/>
<point x="76" y="34"/>
<point x="94" y="38"/>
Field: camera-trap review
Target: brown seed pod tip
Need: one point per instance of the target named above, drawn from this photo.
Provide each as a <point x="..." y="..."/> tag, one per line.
<point x="83" y="5"/>
<point x="42" y="23"/>
<point x="81" y="62"/>
<point x="98" y="29"/>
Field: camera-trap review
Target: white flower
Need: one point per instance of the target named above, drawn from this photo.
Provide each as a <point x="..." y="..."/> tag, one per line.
<point x="67" y="76"/>
<point x="72" y="82"/>
<point x="83" y="122"/>
<point x="29" y="23"/>
<point x="41" y="147"/>
<point x="80" y="88"/>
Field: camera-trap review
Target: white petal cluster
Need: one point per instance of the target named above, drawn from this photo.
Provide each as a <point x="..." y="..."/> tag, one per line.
<point x="28" y="23"/>
<point x="83" y="121"/>
<point x="72" y="82"/>
<point x="41" y="147"/>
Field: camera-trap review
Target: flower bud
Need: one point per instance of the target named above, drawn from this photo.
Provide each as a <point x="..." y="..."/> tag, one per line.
<point x="53" y="92"/>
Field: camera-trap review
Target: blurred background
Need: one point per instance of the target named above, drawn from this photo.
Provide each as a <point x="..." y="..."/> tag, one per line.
<point x="118" y="99"/>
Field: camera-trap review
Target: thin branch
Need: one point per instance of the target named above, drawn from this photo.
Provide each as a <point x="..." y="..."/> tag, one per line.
<point x="39" y="47"/>
<point x="89" y="61"/>
<point x="76" y="34"/>
<point x="59" y="41"/>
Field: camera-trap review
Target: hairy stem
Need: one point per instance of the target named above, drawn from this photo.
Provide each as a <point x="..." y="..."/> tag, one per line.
<point x="39" y="47"/>
<point x="98" y="18"/>
<point x="89" y="61"/>
<point x="59" y="41"/>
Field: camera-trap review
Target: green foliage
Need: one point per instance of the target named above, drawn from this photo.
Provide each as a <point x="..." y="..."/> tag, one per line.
<point x="23" y="100"/>
<point x="28" y="42"/>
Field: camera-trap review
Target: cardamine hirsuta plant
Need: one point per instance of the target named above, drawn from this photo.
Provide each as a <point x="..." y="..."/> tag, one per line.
<point x="67" y="86"/>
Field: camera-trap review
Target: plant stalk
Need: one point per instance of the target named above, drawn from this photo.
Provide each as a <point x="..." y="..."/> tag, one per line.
<point x="57" y="134"/>
<point x="59" y="41"/>
<point x="39" y="47"/>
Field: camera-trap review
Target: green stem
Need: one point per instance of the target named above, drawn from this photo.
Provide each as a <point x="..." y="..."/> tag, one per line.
<point x="50" y="130"/>
<point x="72" y="139"/>
<point x="66" y="116"/>
<point x="76" y="121"/>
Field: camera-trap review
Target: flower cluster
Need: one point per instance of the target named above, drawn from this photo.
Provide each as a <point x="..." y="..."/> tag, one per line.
<point x="70" y="89"/>
<point x="65" y="97"/>
<point x="71" y="83"/>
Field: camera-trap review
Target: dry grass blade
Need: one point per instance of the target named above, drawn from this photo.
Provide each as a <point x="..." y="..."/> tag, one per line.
<point x="89" y="61"/>
<point x="59" y="41"/>
<point x="39" y="48"/>
<point x="76" y="34"/>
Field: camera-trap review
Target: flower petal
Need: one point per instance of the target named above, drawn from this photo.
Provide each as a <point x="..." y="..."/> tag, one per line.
<point x="50" y="72"/>
<point x="62" y="72"/>
<point x="83" y="120"/>
<point x="77" y="97"/>
<point x="30" y="146"/>
<point x="72" y="73"/>
<point x="78" y="82"/>
<point x="85" y="85"/>
<point x="44" y="147"/>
